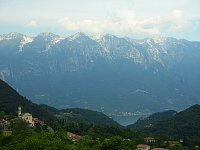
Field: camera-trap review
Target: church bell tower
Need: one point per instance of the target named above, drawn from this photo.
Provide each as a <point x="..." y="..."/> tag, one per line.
<point x="19" y="111"/>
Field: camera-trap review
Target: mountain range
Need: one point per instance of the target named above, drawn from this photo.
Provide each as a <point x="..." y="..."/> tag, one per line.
<point x="115" y="75"/>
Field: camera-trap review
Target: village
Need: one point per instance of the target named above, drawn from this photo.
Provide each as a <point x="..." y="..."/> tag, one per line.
<point x="6" y="129"/>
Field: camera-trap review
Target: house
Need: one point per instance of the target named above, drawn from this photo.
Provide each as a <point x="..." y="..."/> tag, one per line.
<point x="149" y="140"/>
<point x="73" y="137"/>
<point x="171" y="143"/>
<point x="26" y="116"/>
<point x="4" y="125"/>
<point x="143" y="147"/>
<point x="197" y="146"/>
<point x="37" y="121"/>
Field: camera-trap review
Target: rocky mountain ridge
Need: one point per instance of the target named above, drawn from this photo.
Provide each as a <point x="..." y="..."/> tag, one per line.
<point x="105" y="73"/>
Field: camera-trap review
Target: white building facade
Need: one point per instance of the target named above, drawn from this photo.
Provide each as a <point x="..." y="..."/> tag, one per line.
<point x="26" y="116"/>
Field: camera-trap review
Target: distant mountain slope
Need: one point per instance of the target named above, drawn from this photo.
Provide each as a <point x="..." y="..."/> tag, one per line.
<point x="152" y="119"/>
<point x="87" y="116"/>
<point x="183" y="124"/>
<point x="10" y="100"/>
<point x="104" y="73"/>
<point x="81" y="116"/>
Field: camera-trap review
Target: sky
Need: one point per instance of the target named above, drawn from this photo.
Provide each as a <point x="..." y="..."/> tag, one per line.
<point x="126" y="18"/>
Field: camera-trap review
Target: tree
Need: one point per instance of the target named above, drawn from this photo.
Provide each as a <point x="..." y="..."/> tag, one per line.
<point x="2" y="114"/>
<point x="115" y="143"/>
<point x="87" y="142"/>
<point x="20" y="126"/>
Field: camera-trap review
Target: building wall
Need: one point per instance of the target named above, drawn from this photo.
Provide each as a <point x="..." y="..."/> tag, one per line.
<point x="28" y="118"/>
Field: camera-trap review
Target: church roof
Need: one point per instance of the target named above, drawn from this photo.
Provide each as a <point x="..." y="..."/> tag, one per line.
<point x="26" y="114"/>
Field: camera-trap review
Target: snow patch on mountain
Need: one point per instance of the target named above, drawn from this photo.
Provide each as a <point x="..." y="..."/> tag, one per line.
<point x="140" y="91"/>
<point x="4" y="73"/>
<point x="97" y="38"/>
<point x="76" y="36"/>
<point x="159" y="40"/>
<point x="24" y="41"/>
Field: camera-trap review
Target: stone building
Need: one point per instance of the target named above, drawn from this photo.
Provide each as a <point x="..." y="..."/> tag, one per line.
<point x="26" y="116"/>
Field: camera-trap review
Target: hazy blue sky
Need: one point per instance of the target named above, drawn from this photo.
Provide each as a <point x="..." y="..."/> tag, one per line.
<point x="132" y="18"/>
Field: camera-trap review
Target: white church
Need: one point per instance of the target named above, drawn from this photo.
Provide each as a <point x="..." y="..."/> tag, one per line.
<point x="25" y="116"/>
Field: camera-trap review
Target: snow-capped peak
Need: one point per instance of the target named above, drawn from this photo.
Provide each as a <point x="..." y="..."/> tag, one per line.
<point x="104" y="37"/>
<point x="77" y="36"/>
<point x="159" y="40"/>
<point x="49" y="37"/>
<point x="10" y="36"/>
<point x="48" y="34"/>
<point x="22" y="39"/>
<point x="97" y="37"/>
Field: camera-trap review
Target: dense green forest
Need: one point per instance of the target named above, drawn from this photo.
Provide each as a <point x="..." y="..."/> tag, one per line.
<point x="152" y="119"/>
<point x="183" y="124"/>
<point x="93" y="137"/>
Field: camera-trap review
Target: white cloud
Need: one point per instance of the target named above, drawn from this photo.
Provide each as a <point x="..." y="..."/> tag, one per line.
<point x="179" y="22"/>
<point x="84" y="25"/>
<point x="131" y="23"/>
<point x="32" y="23"/>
